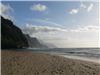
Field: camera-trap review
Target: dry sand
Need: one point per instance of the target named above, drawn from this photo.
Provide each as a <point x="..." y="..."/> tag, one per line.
<point x="28" y="63"/>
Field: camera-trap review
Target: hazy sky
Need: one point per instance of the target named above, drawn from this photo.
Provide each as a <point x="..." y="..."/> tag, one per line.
<point x="64" y="23"/>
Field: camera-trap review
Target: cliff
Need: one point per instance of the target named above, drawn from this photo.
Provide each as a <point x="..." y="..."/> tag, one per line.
<point x="11" y="35"/>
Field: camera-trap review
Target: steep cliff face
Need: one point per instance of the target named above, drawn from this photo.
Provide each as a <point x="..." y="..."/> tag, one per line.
<point x="34" y="43"/>
<point x="11" y="36"/>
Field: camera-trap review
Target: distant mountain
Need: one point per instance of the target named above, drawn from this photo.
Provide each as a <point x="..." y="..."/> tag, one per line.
<point x="49" y="45"/>
<point x="34" y="42"/>
<point x="11" y="36"/>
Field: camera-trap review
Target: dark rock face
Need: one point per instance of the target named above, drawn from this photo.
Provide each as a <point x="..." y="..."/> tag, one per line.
<point x="34" y="43"/>
<point x="11" y="36"/>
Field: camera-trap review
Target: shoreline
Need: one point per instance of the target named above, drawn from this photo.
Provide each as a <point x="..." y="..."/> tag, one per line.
<point x="73" y="57"/>
<point x="28" y="63"/>
<point x="82" y="58"/>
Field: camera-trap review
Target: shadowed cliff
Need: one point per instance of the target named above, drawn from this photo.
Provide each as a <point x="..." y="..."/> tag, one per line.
<point x="11" y="36"/>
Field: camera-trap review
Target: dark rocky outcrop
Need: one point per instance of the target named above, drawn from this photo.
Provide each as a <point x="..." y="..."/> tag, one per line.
<point x="11" y="36"/>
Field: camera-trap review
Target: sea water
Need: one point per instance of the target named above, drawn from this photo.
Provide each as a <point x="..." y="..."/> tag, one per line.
<point x="92" y="54"/>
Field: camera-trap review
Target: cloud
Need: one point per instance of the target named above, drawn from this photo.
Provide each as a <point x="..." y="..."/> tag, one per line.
<point x="74" y="11"/>
<point x="90" y="7"/>
<point x="83" y="6"/>
<point x="79" y="37"/>
<point x="39" y="7"/>
<point x="88" y="28"/>
<point x="30" y="29"/>
<point x="6" y="11"/>
<point x="47" y="22"/>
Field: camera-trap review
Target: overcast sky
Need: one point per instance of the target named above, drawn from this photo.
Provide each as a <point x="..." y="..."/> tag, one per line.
<point x="64" y="23"/>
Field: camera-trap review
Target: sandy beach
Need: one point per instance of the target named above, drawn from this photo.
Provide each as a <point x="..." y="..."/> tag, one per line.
<point x="28" y="63"/>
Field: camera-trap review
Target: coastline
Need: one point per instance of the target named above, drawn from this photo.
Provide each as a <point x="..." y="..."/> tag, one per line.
<point x="82" y="58"/>
<point x="75" y="57"/>
<point x="28" y="63"/>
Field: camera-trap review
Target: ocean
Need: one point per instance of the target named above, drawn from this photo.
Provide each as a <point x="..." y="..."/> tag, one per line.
<point x="92" y="54"/>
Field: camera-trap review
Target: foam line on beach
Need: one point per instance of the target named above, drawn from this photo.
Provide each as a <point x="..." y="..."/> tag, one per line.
<point x="81" y="58"/>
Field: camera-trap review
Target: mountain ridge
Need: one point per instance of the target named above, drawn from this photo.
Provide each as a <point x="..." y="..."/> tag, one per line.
<point x="34" y="42"/>
<point x="13" y="37"/>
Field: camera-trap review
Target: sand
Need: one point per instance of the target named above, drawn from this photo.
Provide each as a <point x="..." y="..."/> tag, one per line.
<point x="28" y="63"/>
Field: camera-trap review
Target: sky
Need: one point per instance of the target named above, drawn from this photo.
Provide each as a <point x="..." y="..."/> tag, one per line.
<point x="60" y="23"/>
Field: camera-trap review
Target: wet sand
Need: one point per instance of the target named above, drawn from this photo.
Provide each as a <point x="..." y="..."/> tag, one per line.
<point x="28" y="63"/>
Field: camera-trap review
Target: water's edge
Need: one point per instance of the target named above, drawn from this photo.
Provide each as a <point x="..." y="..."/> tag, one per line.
<point x="88" y="54"/>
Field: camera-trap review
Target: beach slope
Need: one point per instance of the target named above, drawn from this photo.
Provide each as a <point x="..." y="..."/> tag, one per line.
<point x="28" y="63"/>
